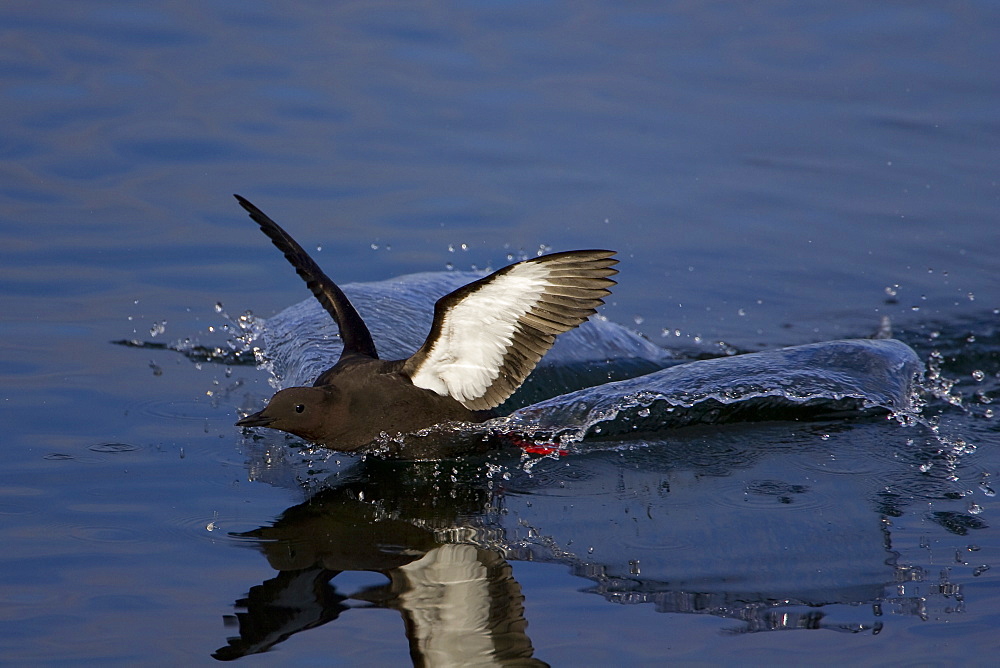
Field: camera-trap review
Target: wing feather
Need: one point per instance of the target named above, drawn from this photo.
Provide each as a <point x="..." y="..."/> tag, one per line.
<point x="353" y="331"/>
<point x="489" y="335"/>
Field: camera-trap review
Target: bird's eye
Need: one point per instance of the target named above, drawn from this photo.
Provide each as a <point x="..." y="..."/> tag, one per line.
<point x="299" y="408"/>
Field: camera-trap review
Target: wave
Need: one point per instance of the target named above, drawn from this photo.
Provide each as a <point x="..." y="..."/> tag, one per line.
<point x="601" y="380"/>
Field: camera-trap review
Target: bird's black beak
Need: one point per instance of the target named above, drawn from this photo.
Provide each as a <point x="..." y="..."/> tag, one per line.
<point x="255" y="420"/>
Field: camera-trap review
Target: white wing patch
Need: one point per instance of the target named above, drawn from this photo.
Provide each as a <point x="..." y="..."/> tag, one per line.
<point x="476" y="333"/>
<point x="489" y="335"/>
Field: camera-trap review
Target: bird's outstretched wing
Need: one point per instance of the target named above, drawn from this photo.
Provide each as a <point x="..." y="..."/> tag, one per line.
<point x="353" y="331"/>
<point x="487" y="336"/>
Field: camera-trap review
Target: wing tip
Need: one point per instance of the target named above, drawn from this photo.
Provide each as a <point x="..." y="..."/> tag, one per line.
<point x="245" y="203"/>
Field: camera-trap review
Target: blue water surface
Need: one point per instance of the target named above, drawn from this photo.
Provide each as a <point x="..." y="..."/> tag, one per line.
<point x="771" y="174"/>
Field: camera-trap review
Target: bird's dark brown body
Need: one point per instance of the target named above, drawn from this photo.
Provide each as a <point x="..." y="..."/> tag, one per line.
<point x="355" y="402"/>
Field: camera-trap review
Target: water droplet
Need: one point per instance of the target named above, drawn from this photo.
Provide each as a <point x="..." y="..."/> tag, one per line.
<point x="638" y="319"/>
<point x="975" y="509"/>
<point x="319" y="249"/>
<point x="971" y="297"/>
<point x="891" y="290"/>
<point x="979" y="570"/>
<point x="218" y="307"/>
<point x="158" y="328"/>
<point x="374" y="246"/>
<point x="741" y="312"/>
<point x="643" y="412"/>
<point x="978" y="375"/>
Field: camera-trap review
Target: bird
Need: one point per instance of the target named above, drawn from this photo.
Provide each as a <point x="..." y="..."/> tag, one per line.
<point x="485" y="338"/>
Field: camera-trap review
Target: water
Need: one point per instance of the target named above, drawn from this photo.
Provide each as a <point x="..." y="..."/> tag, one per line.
<point x="771" y="174"/>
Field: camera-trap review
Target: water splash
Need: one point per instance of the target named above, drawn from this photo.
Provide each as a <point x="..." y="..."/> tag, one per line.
<point x="934" y="395"/>
<point x="936" y="384"/>
<point x="239" y="348"/>
<point x="604" y="382"/>
<point x="817" y="379"/>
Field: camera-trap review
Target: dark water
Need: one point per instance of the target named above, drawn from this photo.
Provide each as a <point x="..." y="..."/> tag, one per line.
<point x="771" y="174"/>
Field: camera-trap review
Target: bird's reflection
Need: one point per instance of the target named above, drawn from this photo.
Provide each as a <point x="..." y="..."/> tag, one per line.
<point x="459" y="602"/>
<point x="704" y="525"/>
<point x="293" y="601"/>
